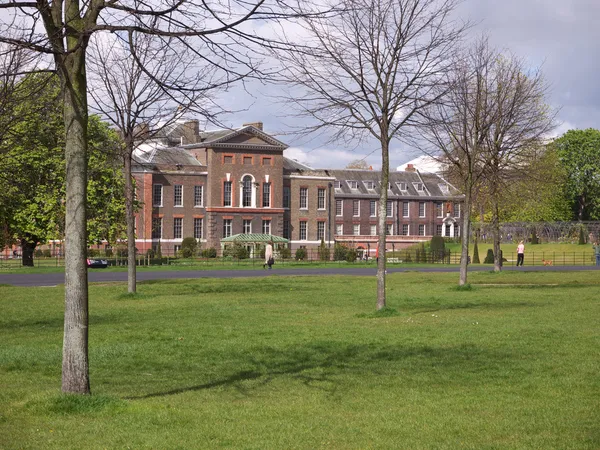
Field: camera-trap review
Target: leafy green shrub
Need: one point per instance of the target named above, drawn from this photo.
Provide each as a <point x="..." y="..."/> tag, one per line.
<point x="351" y="255"/>
<point x="108" y="252"/>
<point x="437" y="245"/>
<point x="284" y="253"/>
<point x="92" y="252"/>
<point x="46" y="253"/>
<point x="476" y="259"/>
<point x="236" y="251"/>
<point x="323" y="252"/>
<point x="209" y="253"/>
<point x="339" y="252"/>
<point x="189" y="246"/>
<point x="150" y="253"/>
<point x="489" y="258"/>
<point x="300" y="254"/>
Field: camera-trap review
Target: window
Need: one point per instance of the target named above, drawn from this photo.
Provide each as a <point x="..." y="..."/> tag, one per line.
<point x="369" y="185"/>
<point x="198" y="227"/>
<point x="390" y="208"/>
<point x="337" y="184"/>
<point x="356" y="229"/>
<point x="302" y="231"/>
<point x="303" y="198"/>
<point x="405" y="230"/>
<point x="178" y="195"/>
<point x="227" y="227"/>
<point x="227" y="159"/>
<point x="339" y="207"/>
<point x="321" y="198"/>
<point x="247" y="226"/>
<point x="373" y="230"/>
<point x="247" y="160"/>
<point x="439" y="210"/>
<point x="373" y="208"/>
<point x="389" y="229"/>
<point x="156" y="227"/>
<point x="421" y="230"/>
<point x="456" y="231"/>
<point x="419" y="187"/>
<point x="339" y="229"/>
<point x="227" y="193"/>
<point x="286" y="196"/>
<point x="457" y="210"/>
<point x="177" y="227"/>
<point x="247" y="191"/>
<point x="157" y="191"/>
<point x="320" y="231"/>
<point x="266" y="226"/>
<point x="405" y="209"/>
<point x="267" y="161"/>
<point x="177" y="248"/>
<point x="286" y="229"/>
<point x="438" y="230"/>
<point x="266" y="195"/>
<point x="198" y="195"/>
<point x="402" y="186"/>
<point x="352" y="184"/>
<point x="421" y="209"/>
<point x="356" y="208"/>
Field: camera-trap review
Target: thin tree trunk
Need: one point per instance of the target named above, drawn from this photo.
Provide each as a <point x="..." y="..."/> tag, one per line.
<point x="129" y="197"/>
<point x="381" y="244"/>
<point x="496" y="233"/>
<point x="466" y="227"/>
<point x="75" y="366"/>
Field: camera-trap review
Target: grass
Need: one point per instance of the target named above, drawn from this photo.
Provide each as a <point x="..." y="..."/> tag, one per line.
<point x="304" y="363"/>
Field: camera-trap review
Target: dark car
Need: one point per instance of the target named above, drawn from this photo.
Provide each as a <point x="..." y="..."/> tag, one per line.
<point x="97" y="263"/>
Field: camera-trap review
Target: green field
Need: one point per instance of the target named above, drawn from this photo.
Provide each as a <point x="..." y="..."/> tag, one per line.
<point x="303" y="363"/>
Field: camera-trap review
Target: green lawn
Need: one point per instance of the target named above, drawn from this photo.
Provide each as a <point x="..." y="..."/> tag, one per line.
<point x="303" y="363"/>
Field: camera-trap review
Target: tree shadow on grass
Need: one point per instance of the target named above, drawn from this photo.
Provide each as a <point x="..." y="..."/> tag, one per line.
<point x="326" y="365"/>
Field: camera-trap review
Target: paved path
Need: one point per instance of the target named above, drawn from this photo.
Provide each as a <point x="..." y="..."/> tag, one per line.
<point x="98" y="276"/>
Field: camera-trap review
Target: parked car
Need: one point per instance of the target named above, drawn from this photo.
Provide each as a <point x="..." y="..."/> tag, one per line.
<point x="97" y="263"/>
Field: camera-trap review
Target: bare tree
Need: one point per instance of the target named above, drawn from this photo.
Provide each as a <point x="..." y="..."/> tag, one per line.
<point x="370" y="72"/>
<point x="358" y="164"/>
<point x="144" y="94"/>
<point x="522" y="120"/>
<point x="456" y="130"/>
<point x="219" y="31"/>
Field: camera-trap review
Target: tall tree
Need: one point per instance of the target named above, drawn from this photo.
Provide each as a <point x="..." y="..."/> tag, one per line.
<point x="61" y="29"/>
<point x="33" y="192"/>
<point x="369" y="73"/>
<point x="579" y="154"/>
<point x="144" y="94"/>
<point x="455" y="131"/>
<point x="521" y="121"/>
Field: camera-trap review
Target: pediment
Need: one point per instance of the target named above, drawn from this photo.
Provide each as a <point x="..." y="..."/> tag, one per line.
<point x="246" y="137"/>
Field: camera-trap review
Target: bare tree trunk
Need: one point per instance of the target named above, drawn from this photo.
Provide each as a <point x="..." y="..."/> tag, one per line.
<point x="381" y="244"/>
<point x="27" y="250"/>
<point x="466" y="228"/>
<point x="496" y="233"/>
<point x="129" y="197"/>
<point x="75" y="367"/>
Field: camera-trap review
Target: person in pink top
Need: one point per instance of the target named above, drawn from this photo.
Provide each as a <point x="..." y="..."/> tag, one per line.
<point x="520" y="253"/>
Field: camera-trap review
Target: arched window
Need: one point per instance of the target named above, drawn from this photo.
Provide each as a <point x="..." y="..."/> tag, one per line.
<point x="247" y="191"/>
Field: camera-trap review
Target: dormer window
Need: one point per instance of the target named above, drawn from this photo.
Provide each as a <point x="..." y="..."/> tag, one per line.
<point x="420" y="187"/>
<point x="369" y="185"/>
<point x="403" y="187"/>
<point x="352" y="184"/>
<point x="444" y="188"/>
<point x="337" y="184"/>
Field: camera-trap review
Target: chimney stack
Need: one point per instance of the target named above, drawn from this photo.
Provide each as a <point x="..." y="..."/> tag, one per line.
<point x="257" y="125"/>
<point x="410" y="168"/>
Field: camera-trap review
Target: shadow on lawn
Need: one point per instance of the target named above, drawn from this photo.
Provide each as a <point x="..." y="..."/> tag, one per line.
<point x="329" y="362"/>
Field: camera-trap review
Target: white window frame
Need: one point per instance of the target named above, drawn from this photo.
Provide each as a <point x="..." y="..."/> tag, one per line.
<point x="373" y="208"/>
<point x="373" y="230"/>
<point x="246" y="226"/>
<point x="369" y="185"/>
<point x="198" y="195"/>
<point x="303" y="231"/>
<point x="356" y="229"/>
<point x="230" y="200"/>
<point x="352" y="184"/>
<point x="389" y="229"/>
<point x="339" y="229"/>
<point x="160" y="224"/>
<point x="178" y="187"/>
<point x="406" y="227"/>
<point x="322" y="197"/>
<point x="439" y="209"/>
<point x="422" y="209"/>
<point x="252" y="191"/>
<point x="355" y="211"/>
<point x="154" y="187"/>
<point x="303" y="190"/>
<point x="198" y="228"/>
<point x="405" y="209"/>
<point x="177" y="228"/>
<point x="341" y="209"/>
<point x="266" y="226"/>
<point x="422" y="229"/>
<point x="227" y="227"/>
<point x="267" y="191"/>
<point x="389" y="209"/>
<point x="320" y="230"/>
<point x="400" y="185"/>
<point x="456" y="207"/>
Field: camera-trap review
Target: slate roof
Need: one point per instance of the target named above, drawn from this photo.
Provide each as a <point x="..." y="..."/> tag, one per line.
<point x="166" y="156"/>
<point x="255" y="237"/>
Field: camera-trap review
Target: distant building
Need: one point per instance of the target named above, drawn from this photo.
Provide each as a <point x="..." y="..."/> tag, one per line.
<point x="215" y="184"/>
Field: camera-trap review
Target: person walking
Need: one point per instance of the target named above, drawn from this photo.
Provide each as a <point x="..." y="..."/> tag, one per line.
<point x="596" y="247"/>
<point x="269" y="261"/>
<point x="520" y="253"/>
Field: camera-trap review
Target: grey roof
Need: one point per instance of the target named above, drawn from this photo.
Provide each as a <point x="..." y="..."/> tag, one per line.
<point x="293" y="165"/>
<point x="169" y="156"/>
<point x="433" y="184"/>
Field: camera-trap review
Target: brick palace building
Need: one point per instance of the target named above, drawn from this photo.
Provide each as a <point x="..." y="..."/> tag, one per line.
<point x="211" y="185"/>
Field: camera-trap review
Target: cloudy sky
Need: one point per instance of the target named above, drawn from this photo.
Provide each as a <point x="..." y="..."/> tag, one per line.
<point x="561" y="36"/>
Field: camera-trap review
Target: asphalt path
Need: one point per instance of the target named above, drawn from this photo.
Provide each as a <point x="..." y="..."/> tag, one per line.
<point x="98" y="276"/>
